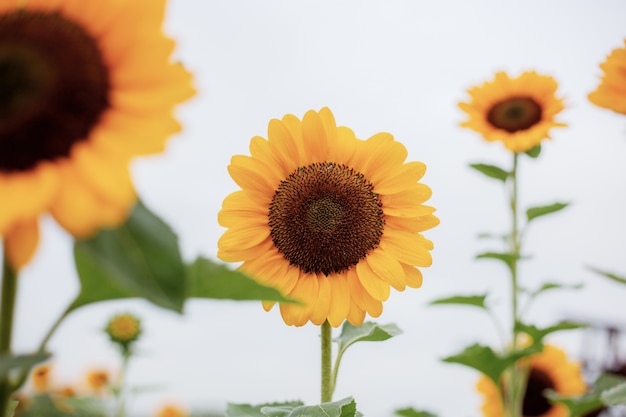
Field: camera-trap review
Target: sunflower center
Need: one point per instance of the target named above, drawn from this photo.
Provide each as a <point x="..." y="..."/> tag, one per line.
<point x="535" y="403"/>
<point x="325" y="217"/>
<point x="54" y="86"/>
<point x="514" y="114"/>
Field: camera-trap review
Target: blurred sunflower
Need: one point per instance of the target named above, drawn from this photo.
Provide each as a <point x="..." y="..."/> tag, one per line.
<point x="519" y="112"/>
<point x="328" y="219"/>
<point x="84" y="87"/>
<point x="123" y="329"/>
<point x="40" y="378"/>
<point x="549" y="369"/>
<point x="611" y="93"/>
<point x="171" y="411"/>
<point x="98" y="380"/>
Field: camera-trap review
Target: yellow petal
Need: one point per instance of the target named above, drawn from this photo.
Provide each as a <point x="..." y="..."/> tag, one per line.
<point x="413" y="276"/>
<point x="307" y="292"/>
<point x="324" y="300"/>
<point x="21" y="242"/>
<point x="340" y="293"/>
<point x="373" y="284"/>
<point x="406" y="247"/>
<point x="387" y="267"/>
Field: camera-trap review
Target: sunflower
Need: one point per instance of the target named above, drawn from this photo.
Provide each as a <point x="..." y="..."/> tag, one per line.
<point x="123" y="329"/>
<point x="40" y="377"/>
<point x="84" y="87"/>
<point x="549" y="369"/>
<point x="328" y="219"/>
<point x="516" y="111"/>
<point x="171" y="411"/>
<point x="98" y="380"/>
<point x="611" y="93"/>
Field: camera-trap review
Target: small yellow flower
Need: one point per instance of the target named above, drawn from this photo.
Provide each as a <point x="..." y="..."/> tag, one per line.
<point x="519" y="112"/>
<point x="549" y="369"/>
<point x="98" y="380"/>
<point x="328" y="219"/>
<point x="172" y="411"/>
<point x="611" y="93"/>
<point x="124" y="329"/>
<point x="41" y="378"/>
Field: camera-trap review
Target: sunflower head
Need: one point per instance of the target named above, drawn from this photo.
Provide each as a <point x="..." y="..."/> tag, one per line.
<point x="84" y="88"/>
<point x="549" y="369"/>
<point x="98" y="380"/>
<point x="328" y="219"/>
<point x="171" y="411"/>
<point x="519" y="112"/>
<point x="40" y="377"/>
<point x="123" y="329"/>
<point x="611" y="93"/>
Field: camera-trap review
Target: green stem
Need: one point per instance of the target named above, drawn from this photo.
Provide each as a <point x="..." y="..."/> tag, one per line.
<point x="121" y="406"/>
<point x="327" y="385"/>
<point x="7" y="309"/>
<point x="515" y="383"/>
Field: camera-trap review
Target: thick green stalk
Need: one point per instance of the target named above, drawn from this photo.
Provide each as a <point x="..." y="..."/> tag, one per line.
<point x="515" y="384"/>
<point x="327" y="384"/>
<point x="7" y="309"/>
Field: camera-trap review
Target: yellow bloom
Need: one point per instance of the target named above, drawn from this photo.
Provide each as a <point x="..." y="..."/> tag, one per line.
<point x="328" y="219"/>
<point x="519" y="112"/>
<point x="40" y="378"/>
<point x="124" y="328"/>
<point x="98" y="380"/>
<point x="171" y="411"/>
<point x="86" y="86"/>
<point x="611" y="93"/>
<point x="549" y="369"/>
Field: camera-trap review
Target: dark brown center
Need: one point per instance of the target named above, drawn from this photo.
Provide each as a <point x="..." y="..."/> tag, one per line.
<point x="535" y="403"/>
<point x="325" y="217"/>
<point x="514" y="114"/>
<point x="54" y="85"/>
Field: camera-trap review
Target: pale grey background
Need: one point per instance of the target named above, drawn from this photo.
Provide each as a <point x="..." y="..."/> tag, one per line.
<point x="396" y="66"/>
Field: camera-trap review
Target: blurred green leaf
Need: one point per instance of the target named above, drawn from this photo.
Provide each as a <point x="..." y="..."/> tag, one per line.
<point x="508" y="258"/>
<point x="247" y="410"/>
<point x="538" y="334"/>
<point x="138" y="259"/>
<point x="20" y="363"/>
<point x="491" y="171"/>
<point x="411" y="412"/>
<point x="469" y="300"/>
<point x="534" y="212"/>
<point x="484" y="359"/>
<point x="614" y="277"/>
<point x="341" y="408"/>
<point x="600" y="395"/>
<point x="534" y="152"/>
<point x="367" y="332"/>
<point x="208" y="279"/>
<point x="554" y="286"/>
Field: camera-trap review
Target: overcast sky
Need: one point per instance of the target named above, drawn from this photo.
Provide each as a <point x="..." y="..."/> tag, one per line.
<point x="395" y="66"/>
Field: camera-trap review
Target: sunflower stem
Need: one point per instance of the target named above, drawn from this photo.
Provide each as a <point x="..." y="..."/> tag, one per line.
<point x="327" y="384"/>
<point x="515" y="384"/>
<point x="7" y="309"/>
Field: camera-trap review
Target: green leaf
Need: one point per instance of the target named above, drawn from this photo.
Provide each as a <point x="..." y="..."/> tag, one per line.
<point x="609" y="275"/>
<point x="534" y="152"/>
<point x="207" y="279"/>
<point x="491" y="171"/>
<point x="469" y="300"/>
<point x="367" y="332"/>
<point x="342" y="408"/>
<point x="593" y="399"/>
<point x="538" y="334"/>
<point x="19" y="363"/>
<point x="553" y="286"/>
<point x="247" y="410"/>
<point x="411" y="412"/>
<point x="484" y="359"/>
<point x="12" y="406"/>
<point x="508" y="258"/>
<point x="535" y="212"/>
<point x="615" y="395"/>
<point x="139" y="259"/>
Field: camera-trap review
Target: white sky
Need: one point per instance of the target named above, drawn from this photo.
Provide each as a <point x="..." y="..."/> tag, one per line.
<point x="396" y="66"/>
